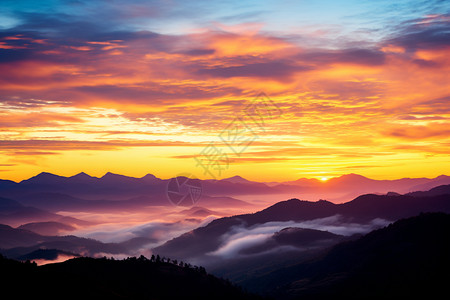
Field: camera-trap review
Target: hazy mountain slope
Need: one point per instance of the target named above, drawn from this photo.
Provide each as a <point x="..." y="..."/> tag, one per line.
<point x="362" y="210"/>
<point x="436" y="191"/>
<point x="17" y="242"/>
<point x="406" y="259"/>
<point x="15" y="214"/>
<point x="285" y="247"/>
<point x="47" y="228"/>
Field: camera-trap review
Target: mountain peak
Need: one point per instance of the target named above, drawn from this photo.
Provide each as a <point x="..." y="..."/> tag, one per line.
<point x="113" y="178"/>
<point x="81" y="175"/>
<point x="46" y="174"/>
<point x="236" y="179"/>
<point x="350" y="178"/>
<point x="82" y="178"/>
<point x="44" y="177"/>
<point x="111" y="175"/>
<point x="150" y="177"/>
<point x="353" y="175"/>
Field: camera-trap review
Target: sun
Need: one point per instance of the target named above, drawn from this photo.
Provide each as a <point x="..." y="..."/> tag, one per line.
<point x="323" y="179"/>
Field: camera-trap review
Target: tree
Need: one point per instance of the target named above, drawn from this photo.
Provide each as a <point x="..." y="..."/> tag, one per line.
<point x="142" y="258"/>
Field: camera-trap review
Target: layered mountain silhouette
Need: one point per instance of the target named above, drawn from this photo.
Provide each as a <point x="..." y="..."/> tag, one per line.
<point x="14" y="213"/>
<point x="361" y="210"/>
<point x="42" y="197"/>
<point x="407" y="259"/>
<point x="17" y="242"/>
<point x="111" y="192"/>
<point x="48" y="191"/>
<point x="291" y="249"/>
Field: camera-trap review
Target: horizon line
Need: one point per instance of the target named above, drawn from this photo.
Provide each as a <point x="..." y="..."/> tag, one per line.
<point x="322" y="179"/>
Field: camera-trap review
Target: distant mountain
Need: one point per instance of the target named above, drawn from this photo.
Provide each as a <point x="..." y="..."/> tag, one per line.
<point x="361" y="210"/>
<point x="349" y="186"/>
<point x="404" y="260"/>
<point x="431" y="183"/>
<point x="236" y="179"/>
<point x="197" y="211"/>
<point x="439" y="190"/>
<point x="221" y="202"/>
<point x="110" y="186"/>
<point x="44" y="179"/>
<point x="119" y="187"/>
<point x="350" y="180"/>
<point x="10" y="237"/>
<point x="15" y="242"/>
<point x="6" y="185"/>
<point x="55" y="202"/>
<point x="46" y="254"/>
<point x="84" y="192"/>
<point x="115" y="279"/>
<point x="7" y="205"/>
<point x="14" y="213"/>
<point x="47" y="228"/>
<point x="236" y="186"/>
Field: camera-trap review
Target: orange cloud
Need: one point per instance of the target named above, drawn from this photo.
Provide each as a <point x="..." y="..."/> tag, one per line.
<point x="341" y="107"/>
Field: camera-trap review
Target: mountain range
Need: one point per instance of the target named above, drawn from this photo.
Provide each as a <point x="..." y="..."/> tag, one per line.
<point x="409" y="258"/>
<point x="214" y="240"/>
<point x="283" y="250"/>
<point x="18" y="242"/>
<point x="48" y="197"/>
<point x="363" y="210"/>
<point x="149" y="189"/>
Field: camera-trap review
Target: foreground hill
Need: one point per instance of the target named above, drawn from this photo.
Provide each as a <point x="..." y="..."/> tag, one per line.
<point x="89" y="278"/>
<point x="409" y="258"/>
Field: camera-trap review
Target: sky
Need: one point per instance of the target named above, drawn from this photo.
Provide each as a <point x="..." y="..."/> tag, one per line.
<point x="269" y="90"/>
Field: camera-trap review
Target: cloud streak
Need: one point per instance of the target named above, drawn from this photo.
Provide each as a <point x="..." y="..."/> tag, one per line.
<point x="240" y="238"/>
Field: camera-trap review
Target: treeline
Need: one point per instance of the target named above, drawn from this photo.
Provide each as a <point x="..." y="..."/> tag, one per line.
<point x="153" y="259"/>
<point x="159" y="260"/>
<point x="130" y="278"/>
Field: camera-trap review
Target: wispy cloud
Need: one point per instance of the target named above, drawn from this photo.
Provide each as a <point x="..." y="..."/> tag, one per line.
<point x="241" y="237"/>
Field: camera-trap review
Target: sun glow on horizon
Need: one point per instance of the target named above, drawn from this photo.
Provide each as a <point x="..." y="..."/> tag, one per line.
<point x="324" y="178"/>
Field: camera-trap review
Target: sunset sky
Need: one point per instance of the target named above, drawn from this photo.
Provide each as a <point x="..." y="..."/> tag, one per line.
<point x="137" y="87"/>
